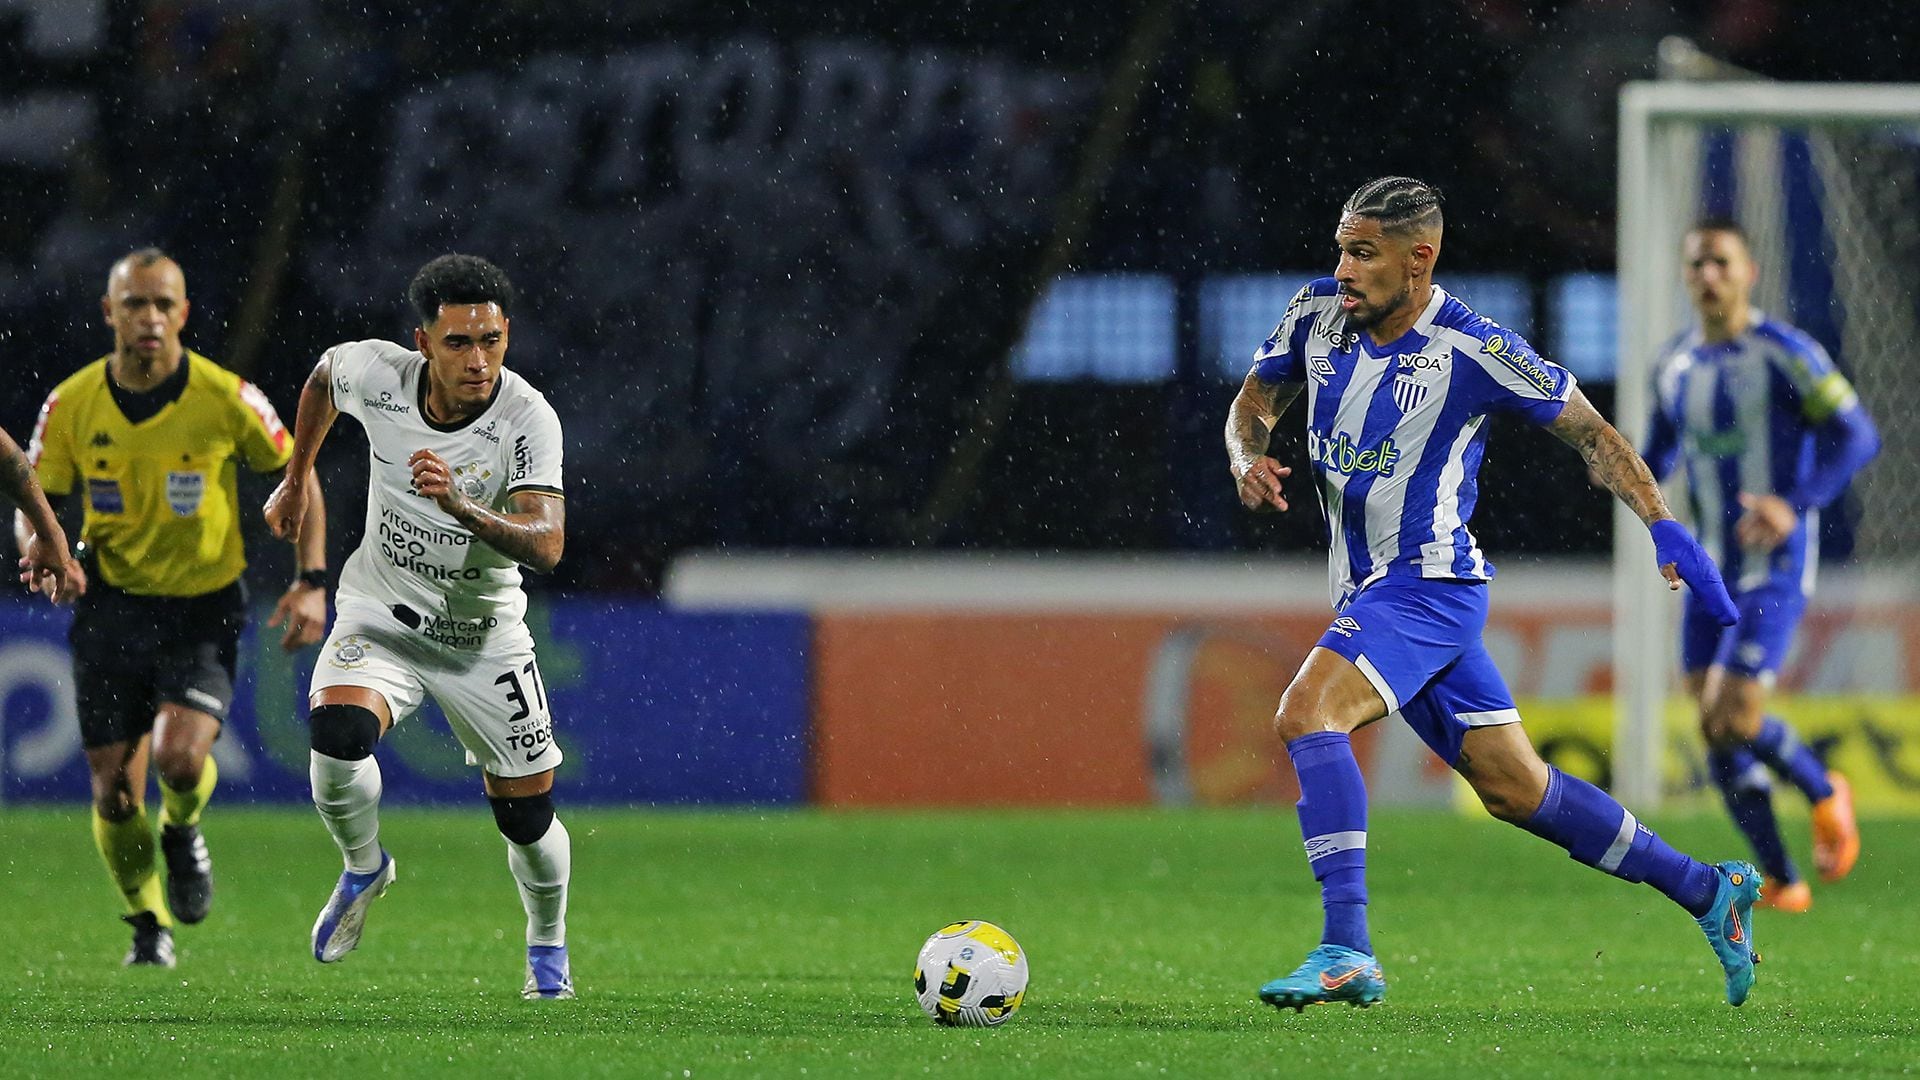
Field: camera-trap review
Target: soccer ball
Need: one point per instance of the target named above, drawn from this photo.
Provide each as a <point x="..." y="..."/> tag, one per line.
<point x="971" y="974"/>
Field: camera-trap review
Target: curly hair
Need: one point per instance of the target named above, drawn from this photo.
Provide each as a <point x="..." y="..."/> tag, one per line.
<point x="458" y="279"/>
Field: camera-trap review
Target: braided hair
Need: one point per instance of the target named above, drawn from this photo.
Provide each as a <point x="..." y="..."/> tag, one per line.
<point x="1398" y="203"/>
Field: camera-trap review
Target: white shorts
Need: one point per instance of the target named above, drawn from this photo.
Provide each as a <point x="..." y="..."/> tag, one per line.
<point x="492" y="692"/>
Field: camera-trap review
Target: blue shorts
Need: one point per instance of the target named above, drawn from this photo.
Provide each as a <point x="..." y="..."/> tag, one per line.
<point x="1755" y="646"/>
<point x="1418" y="642"/>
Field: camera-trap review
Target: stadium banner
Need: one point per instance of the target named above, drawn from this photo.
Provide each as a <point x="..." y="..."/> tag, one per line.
<point x="959" y="707"/>
<point x="650" y="706"/>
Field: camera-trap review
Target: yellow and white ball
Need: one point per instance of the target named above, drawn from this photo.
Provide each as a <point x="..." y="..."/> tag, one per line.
<point x="971" y="974"/>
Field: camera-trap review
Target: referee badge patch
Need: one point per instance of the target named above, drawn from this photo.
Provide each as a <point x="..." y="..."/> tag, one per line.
<point x="185" y="490"/>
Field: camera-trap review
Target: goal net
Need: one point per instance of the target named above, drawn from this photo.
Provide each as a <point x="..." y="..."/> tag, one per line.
<point x="1825" y="179"/>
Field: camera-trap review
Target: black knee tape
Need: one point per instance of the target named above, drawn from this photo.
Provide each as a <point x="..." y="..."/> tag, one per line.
<point x="346" y="732"/>
<point x="523" y="819"/>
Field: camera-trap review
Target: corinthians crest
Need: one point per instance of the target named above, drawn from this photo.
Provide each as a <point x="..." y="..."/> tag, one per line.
<point x="349" y="652"/>
<point x="471" y="480"/>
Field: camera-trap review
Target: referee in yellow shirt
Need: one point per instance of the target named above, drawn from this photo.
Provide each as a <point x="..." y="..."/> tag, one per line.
<point x="150" y="438"/>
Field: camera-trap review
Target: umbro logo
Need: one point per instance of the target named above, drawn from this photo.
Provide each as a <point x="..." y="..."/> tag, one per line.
<point x="1320" y="369"/>
<point x="100" y="441"/>
<point x="1345" y="626"/>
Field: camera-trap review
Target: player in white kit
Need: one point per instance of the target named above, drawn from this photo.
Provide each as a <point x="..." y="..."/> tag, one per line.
<point x="464" y="488"/>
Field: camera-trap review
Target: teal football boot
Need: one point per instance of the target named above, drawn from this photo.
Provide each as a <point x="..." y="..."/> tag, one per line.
<point x="1729" y="926"/>
<point x="1331" y="973"/>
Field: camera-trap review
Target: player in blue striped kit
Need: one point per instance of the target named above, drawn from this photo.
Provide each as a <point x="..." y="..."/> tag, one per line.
<point x="1400" y="380"/>
<point x="1768" y="432"/>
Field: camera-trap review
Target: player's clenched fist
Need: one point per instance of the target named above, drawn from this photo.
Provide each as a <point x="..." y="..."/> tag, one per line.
<point x="287" y="505"/>
<point x="1259" y="485"/>
<point x="432" y="478"/>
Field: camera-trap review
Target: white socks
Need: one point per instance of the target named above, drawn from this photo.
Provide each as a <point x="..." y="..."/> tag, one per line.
<point x="347" y="794"/>
<point x="541" y="869"/>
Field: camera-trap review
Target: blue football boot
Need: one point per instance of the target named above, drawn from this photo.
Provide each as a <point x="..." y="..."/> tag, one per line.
<point x="1331" y="973"/>
<point x="337" y="930"/>
<point x="1729" y="926"/>
<point x="547" y="973"/>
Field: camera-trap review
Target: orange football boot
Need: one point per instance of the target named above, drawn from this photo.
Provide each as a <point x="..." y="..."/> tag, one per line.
<point x="1789" y="897"/>
<point x="1836" y="836"/>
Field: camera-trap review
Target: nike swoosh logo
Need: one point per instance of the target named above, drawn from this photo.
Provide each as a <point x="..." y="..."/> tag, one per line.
<point x="536" y="754"/>
<point x="1335" y="982"/>
<point x="1739" y="933"/>
<point x="378" y="458"/>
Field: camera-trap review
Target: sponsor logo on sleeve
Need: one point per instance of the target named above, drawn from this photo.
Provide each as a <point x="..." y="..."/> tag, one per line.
<point x="252" y="398"/>
<point x="522" y="460"/>
<point x="37" y="444"/>
<point x="1521" y="361"/>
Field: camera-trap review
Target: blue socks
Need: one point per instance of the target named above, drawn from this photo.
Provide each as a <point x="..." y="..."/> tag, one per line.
<point x="1333" y="821"/>
<point x="1574" y="814"/>
<point x="1599" y="832"/>
<point x="1785" y="754"/>
<point x="1748" y="793"/>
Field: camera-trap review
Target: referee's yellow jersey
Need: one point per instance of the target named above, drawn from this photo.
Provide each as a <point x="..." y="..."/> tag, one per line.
<point x="162" y="509"/>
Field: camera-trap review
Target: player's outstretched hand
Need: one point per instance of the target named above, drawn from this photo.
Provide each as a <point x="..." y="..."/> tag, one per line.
<point x="303" y="610"/>
<point x="287" y="506"/>
<point x="1259" y="486"/>
<point x="1681" y="558"/>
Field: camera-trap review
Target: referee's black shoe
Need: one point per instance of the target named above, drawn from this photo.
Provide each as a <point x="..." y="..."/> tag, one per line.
<point x="152" y="943"/>
<point x="189" y="872"/>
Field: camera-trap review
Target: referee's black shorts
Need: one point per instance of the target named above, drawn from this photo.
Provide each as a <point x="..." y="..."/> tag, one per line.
<point x="132" y="654"/>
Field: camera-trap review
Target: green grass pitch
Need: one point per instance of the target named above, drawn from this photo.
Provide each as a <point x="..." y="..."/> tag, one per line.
<point x="746" y="943"/>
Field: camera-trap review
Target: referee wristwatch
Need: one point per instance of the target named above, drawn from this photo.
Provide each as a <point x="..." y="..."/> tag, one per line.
<point x="313" y="579"/>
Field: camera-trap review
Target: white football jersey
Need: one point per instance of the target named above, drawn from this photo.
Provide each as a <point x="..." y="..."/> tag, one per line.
<point x="413" y="554"/>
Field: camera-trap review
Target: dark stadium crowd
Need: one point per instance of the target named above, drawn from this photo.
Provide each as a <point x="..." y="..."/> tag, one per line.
<point x="775" y="258"/>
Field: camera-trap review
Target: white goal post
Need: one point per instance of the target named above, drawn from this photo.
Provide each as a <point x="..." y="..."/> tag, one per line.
<point x="1662" y="129"/>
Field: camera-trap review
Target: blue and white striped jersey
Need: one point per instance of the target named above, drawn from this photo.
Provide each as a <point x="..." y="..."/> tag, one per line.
<point x="1740" y="416"/>
<point x="1396" y="431"/>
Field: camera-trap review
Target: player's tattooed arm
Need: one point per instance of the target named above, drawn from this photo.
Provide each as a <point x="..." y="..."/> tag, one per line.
<point x="17" y="481"/>
<point x="45" y="564"/>
<point x="533" y="534"/>
<point x="1611" y="458"/>
<point x="288" y="511"/>
<point x="533" y="531"/>
<point x="1250" y="421"/>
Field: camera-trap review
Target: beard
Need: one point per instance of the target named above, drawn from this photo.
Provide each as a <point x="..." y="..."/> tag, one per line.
<point x="1367" y="315"/>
